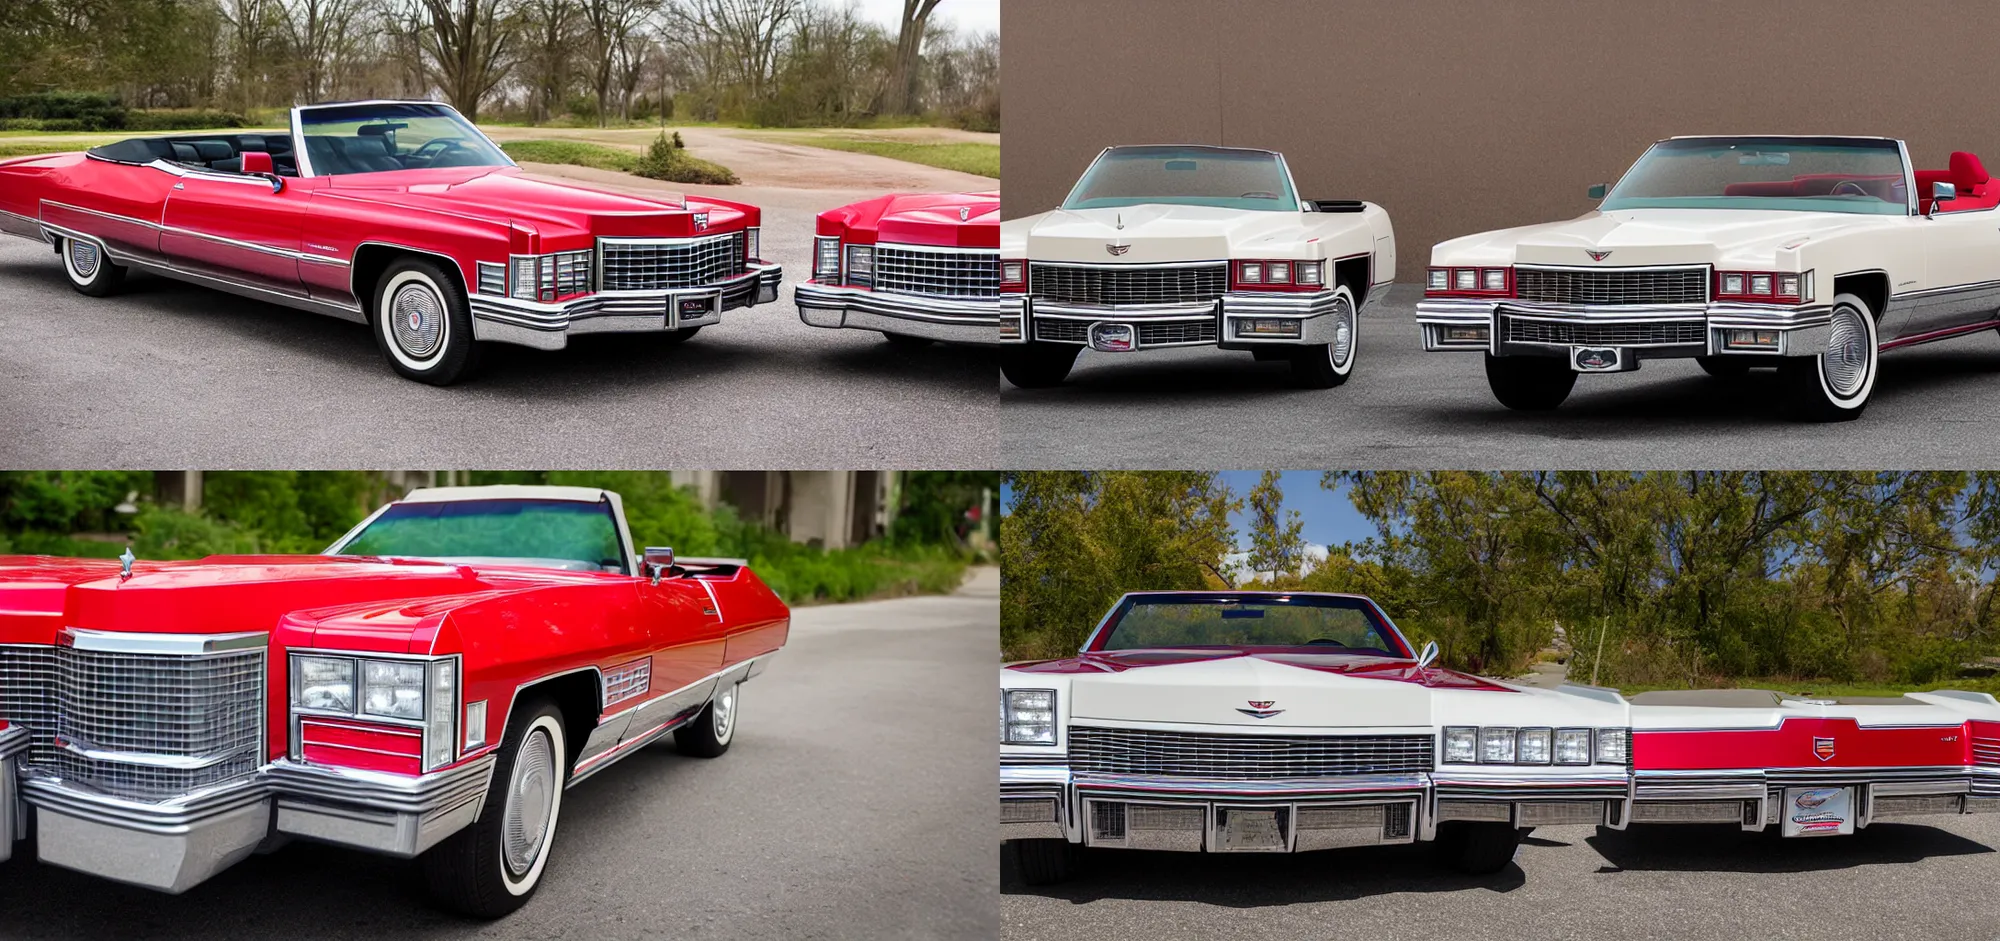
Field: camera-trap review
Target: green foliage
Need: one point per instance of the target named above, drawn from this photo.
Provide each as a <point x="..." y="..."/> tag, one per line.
<point x="183" y="119"/>
<point x="934" y="505"/>
<point x="573" y="153"/>
<point x="667" y="159"/>
<point x="167" y="533"/>
<point x="1276" y="543"/>
<point x="87" y="111"/>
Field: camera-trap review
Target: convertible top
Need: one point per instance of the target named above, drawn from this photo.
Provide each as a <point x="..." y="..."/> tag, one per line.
<point x="222" y="152"/>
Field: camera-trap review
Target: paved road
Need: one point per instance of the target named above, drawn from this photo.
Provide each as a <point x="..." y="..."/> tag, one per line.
<point x="1934" y="406"/>
<point x="1888" y="881"/>
<point x="854" y="803"/>
<point x="171" y="375"/>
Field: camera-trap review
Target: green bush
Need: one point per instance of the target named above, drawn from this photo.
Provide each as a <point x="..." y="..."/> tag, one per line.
<point x="90" y="111"/>
<point x="54" y="125"/>
<point x="668" y="159"/>
<point x="191" y="119"/>
<point x="574" y="153"/>
<point x="166" y="533"/>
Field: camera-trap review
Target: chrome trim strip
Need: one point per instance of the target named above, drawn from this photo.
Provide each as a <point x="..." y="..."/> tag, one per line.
<point x="1341" y="785"/>
<point x="102" y="215"/>
<point x="27" y="227"/>
<point x="252" y="291"/>
<point x="177" y="645"/>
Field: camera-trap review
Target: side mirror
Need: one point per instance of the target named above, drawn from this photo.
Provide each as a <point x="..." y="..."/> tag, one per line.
<point x="1428" y="656"/>
<point x="1335" y="205"/>
<point x="1598" y="190"/>
<point x="658" y="561"/>
<point x="1940" y="192"/>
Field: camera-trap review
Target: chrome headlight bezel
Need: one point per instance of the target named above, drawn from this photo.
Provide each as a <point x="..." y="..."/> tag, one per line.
<point x="826" y="257"/>
<point x="1532" y="746"/>
<point x="436" y="712"/>
<point x="1019" y="710"/>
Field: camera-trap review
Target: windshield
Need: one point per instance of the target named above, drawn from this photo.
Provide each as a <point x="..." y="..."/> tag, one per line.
<point x="1185" y="176"/>
<point x="373" y="138"/>
<point x="1812" y="174"/>
<point x="1348" y="625"/>
<point x="541" y="530"/>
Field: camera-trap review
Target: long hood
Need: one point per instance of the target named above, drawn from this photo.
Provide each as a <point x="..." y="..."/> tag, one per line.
<point x="1248" y="691"/>
<point x="553" y="209"/>
<point x="1653" y="237"/>
<point x="954" y="220"/>
<point x="1153" y="234"/>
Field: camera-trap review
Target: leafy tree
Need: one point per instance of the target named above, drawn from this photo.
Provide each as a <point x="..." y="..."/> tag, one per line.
<point x="1276" y="541"/>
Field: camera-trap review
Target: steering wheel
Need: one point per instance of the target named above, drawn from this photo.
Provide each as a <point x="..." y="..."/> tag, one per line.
<point x="1258" y="194"/>
<point x="444" y="145"/>
<point x="1849" y="188"/>
<point x="1325" y="642"/>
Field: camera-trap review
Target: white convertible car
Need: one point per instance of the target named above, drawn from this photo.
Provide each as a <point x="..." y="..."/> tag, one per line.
<point x="1284" y="722"/>
<point x="1811" y="254"/>
<point x="1188" y="246"/>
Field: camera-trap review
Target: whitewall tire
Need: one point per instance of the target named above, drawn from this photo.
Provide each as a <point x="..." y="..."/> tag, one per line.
<point x="1327" y="365"/>
<point x="423" y="323"/>
<point x="494" y="865"/>
<point x="91" y="271"/>
<point x="1835" y="385"/>
<point x="709" y="735"/>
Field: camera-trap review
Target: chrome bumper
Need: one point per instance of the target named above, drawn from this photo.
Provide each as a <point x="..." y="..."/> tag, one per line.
<point x="955" y="320"/>
<point x="1752" y="798"/>
<point x="176" y="845"/>
<point x="503" y="319"/>
<point x="1802" y="331"/>
<point x="1160" y="326"/>
<point x="1045" y="800"/>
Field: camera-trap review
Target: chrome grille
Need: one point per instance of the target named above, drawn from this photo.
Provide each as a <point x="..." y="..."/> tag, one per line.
<point x="1134" y="751"/>
<point x="1173" y="284"/>
<point x="1062" y="331"/>
<point x="937" y="271"/>
<point x="1670" y="333"/>
<point x="1612" y="286"/>
<point x="492" y="277"/>
<point x="195" y="720"/>
<point x="654" y="265"/>
<point x="1985" y="751"/>
<point x="1157" y="334"/>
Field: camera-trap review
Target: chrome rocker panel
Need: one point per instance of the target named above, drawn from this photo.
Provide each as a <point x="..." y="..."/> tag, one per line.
<point x="953" y="320"/>
<point x="502" y="319"/>
<point x="1018" y="314"/>
<point x="1802" y="331"/>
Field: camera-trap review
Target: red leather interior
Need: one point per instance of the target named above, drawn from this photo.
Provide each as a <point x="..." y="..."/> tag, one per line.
<point x="255" y="162"/>
<point x="1975" y="187"/>
<point x="1819" y="184"/>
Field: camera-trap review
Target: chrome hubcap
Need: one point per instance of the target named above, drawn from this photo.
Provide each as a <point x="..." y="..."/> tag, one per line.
<point x="83" y="257"/>
<point x="417" y="319"/>
<point x="1845" y="363"/>
<point x="725" y="713"/>
<point x="1343" y="333"/>
<point x="530" y="800"/>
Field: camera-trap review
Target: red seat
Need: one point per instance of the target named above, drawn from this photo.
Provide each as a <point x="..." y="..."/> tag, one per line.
<point x="1968" y="174"/>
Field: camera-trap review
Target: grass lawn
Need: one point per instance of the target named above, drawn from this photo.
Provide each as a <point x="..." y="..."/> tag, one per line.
<point x="966" y="157"/>
<point x="575" y="153"/>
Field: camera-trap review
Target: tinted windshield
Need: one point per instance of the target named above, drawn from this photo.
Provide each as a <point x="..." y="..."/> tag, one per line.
<point x="1810" y="174"/>
<point x="551" y="530"/>
<point x="375" y="138"/>
<point x="1335" y="624"/>
<point x="1185" y="176"/>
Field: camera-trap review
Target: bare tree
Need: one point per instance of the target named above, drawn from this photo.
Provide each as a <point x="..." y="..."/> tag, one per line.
<point x="743" y="36"/>
<point x="545" y="65"/>
<point x="322" y="36"/>
<point x="466" y="45"/>
<point x="252" y="34"/>
<point x="916" y="17"/>
<point x="610" y="23"/>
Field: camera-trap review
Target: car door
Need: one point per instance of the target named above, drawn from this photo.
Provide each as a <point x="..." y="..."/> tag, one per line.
<point x="1961" y="272"/>
<point x="687" y="638"/>
<point x="237" y="227"/>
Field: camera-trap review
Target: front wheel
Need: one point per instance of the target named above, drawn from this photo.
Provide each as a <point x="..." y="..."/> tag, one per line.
<point x="1038" y="365"/>
<point x="1834" y="386"/>
<point x="1478" y="848"/>
<point x="1529" y="383"/>
<point x="423" y="323"/>
<point x="1328" y="365"/>
<point x="90" y="271"/>
<point x="709" y="735"/>
<point x="1046" y="862"/>
<point x="492" y="867"/>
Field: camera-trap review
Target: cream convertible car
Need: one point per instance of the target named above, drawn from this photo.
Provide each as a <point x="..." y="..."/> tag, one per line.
<point x="1811" y="254"/>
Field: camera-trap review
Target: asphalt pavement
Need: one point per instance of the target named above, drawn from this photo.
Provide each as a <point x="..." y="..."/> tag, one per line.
<point x="1891" y="880"/>
<point x="167" y="374"/>
<point x="1934" y="406"/>
<point x="855" y="802"/>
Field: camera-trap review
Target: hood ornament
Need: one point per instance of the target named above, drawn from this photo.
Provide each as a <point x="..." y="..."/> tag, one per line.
<point x="1261" y="709"/>
<point x="964" y="213"/>
<point x="1121" y="221"/>
<point x="1597" y="256"/>
<point x="701" y="222"/>
<point x="125" y="560"/>
<point x="1117" y="248"/>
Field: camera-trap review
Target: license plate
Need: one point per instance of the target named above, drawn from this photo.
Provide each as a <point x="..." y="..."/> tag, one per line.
<point x="1113" y="337"/>
<point x="1818" y="811"/>
<point x="697" y="307"/>
<point x="1596" y="359"/>
<point x="1251" y="830"/>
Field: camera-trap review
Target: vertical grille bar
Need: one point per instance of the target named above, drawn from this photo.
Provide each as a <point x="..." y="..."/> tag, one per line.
<point x="652" y="265"/>
<point x="1612" y="286"/>
<point x="940" y="272"/>
<point x="1136" y="751"/>
<point x="1172" y="284"/>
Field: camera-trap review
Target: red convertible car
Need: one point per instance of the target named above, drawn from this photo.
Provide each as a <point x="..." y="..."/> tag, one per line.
<point x="427" y="688"/>
<point x="916" y="268"/>
<point x="397" y="214"/>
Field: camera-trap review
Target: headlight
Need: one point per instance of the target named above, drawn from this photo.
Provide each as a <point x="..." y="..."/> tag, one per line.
<point x="826" y="257"/>
<point x="1440" y="278"/>
<point x="325" y="683"/>
<point x="1572" y="746"/>
<point x="861" y="264"/>
<point x="1611" y="746"/>
<point x="1532" y="748"/>
<point x="1312" y="272"/>
<point x="751" y="248"/>
<point x="1461" y="744"/>
<point x="1493" y="279"/>
<point x="526" y="276"/>
<point x="1496" y="746"/>
<point x="393" y="689"/>
<point x="1013" y="272"/>
<point x="438" y="737"/>
<point x="1028" y="717"/>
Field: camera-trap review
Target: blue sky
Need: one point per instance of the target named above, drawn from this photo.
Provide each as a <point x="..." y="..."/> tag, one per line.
<point x="1328" y="516"/>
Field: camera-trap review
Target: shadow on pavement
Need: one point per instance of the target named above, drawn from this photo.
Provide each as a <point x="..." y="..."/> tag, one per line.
<point x="1686" y="848"/>
<point x="1256" y="880"/>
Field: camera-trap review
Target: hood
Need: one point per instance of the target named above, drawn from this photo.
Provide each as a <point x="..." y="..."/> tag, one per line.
<point x="954" y="220"/>
<point x="553" y="208"/>
<point x="1161" y="233"/>
<point x="1234" y="688"/>
<point x="1722" y="237"/>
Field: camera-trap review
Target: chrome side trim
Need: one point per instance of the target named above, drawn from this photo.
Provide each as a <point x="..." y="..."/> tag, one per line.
<point x="252" y="291"/>
<point x="102" y="215"/>
<point x="179" y="645"/>
<point x="13" y="223"/>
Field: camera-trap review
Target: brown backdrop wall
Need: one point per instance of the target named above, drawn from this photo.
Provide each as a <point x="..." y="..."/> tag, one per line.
<point x="1465" y="115"/>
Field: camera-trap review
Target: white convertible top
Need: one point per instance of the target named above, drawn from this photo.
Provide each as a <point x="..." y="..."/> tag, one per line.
<point x="507" y="492"/>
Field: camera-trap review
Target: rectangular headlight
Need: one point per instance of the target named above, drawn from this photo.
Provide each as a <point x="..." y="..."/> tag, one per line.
<point x="393" y="689"/>
<point x="1732" y="284"/>
<point x="1572" y="746"/>
<point x="861" y="264"/>
<point x="441" y="708"/>
<point x="475" y="724"/>
<point x="752" y="247"/>
<point x="1280" y="272"/>
<point x="1440" y="279"/>
<point x="1250" y="272"/>
<point x="1013" y="272"/>
<point x="1465" y="279"/>
<point x="1461" y="744"/>
<point x="1760" y="284"/>
<point x="1028" y="717"/>
<point x="1533" y="745"/>
<point x="527" y="277"/>
<point x="1788" y="285"/>
<point x="1611" y="746"/>
<point x="1493" y="279"/>
<point x="826" y="257"/>
<point x="1496" y="746"/>
<point x="1312" y="272"/>
<point x="325" y="683"/>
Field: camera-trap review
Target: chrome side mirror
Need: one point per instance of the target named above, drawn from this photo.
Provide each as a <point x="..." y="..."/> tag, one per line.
<point x="1941" y="191"/>
<point x="1597" y="190"/>
<point x="1428" y="656"/>
<point x="658" y="560"/>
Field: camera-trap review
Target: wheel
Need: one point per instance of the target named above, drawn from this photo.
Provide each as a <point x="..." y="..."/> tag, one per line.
<point x="708" y="736"/>
<point x="423" y="324"/>
<point x="1328" y="365"/>
<point x="1038" y="365"/>
<point x="1045" y="862"/>
<point x="90" y="271"/>
<point x="684" y="334"/>
<point x="1834" y="385"/>
<point x="904" y="342"/>
<point x="1529" y="383"/>
<point x="1478" y="848"/>
<point x="1724" y="367"/>
<point x="492" y="867"/>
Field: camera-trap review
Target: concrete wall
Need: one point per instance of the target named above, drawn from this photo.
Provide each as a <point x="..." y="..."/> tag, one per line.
<point x="1465" y="115"/>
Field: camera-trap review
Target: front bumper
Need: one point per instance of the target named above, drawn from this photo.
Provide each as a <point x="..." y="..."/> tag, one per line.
<point x="502" y="319"/>
<point x="951" y="319"/>
<point x="1514" y="328"/>
<point x="1753" y="798"/>
<point x="1221" y="322"/>
<point x="1046" y="800"/>
<point x="175" y="845"/>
